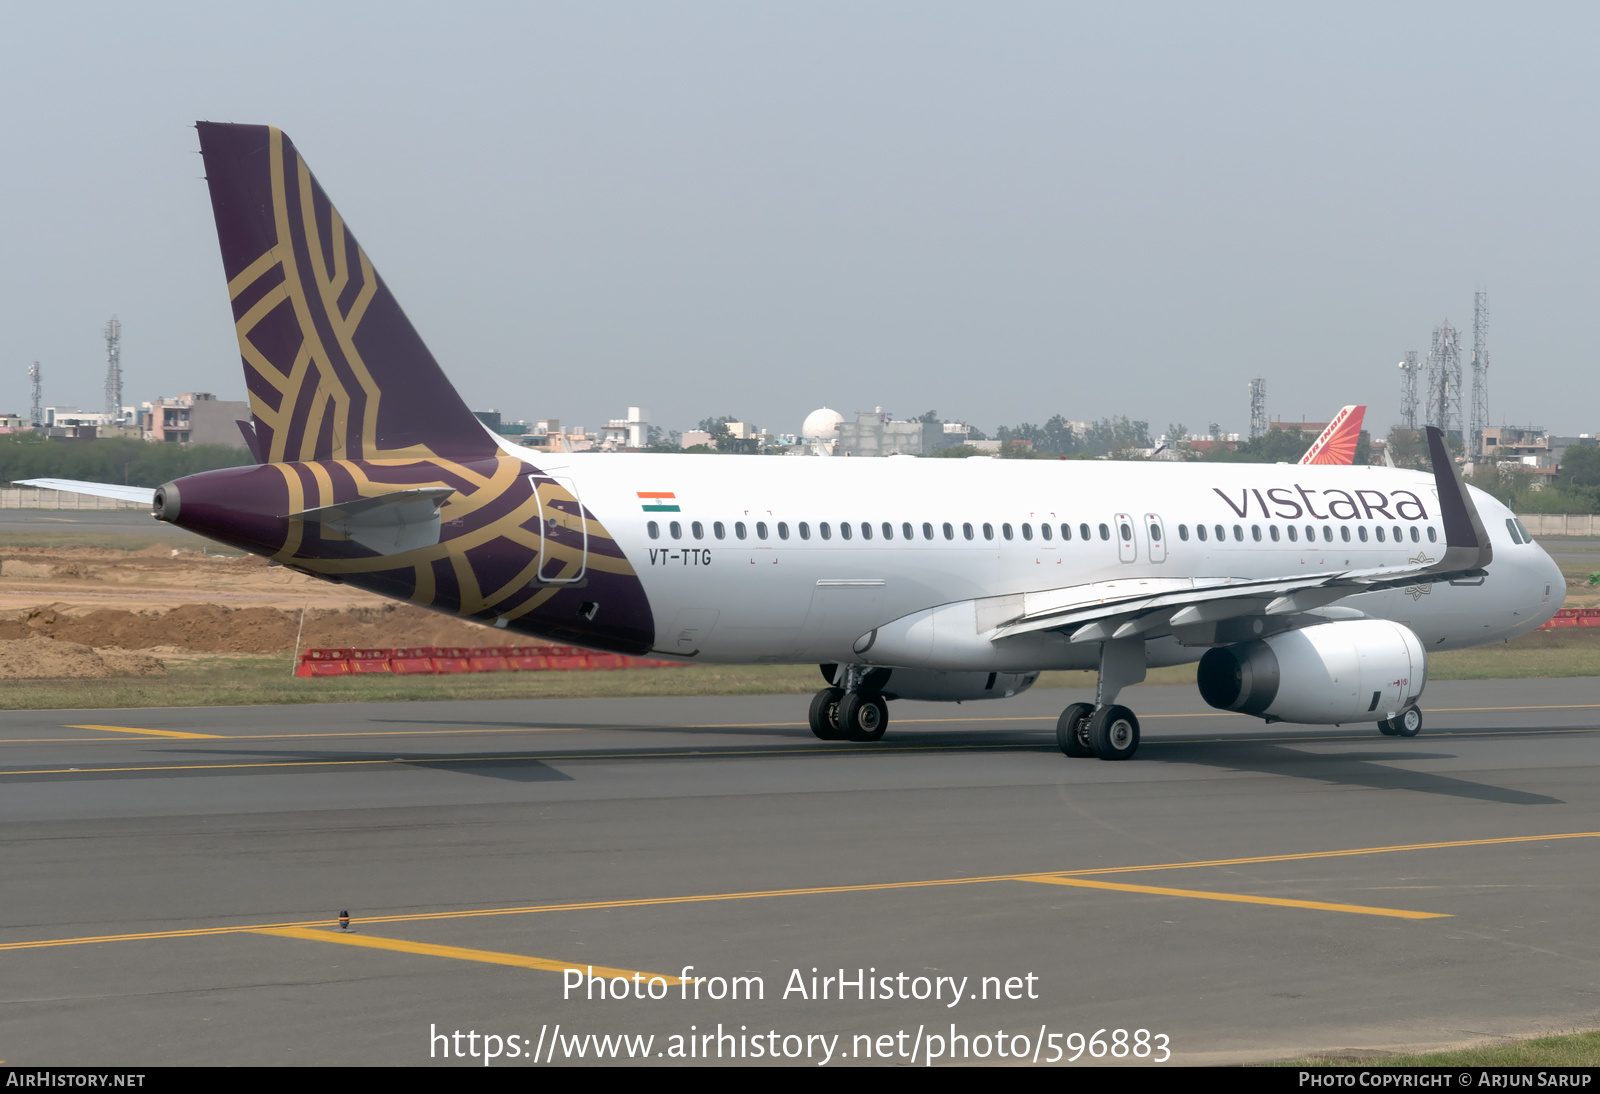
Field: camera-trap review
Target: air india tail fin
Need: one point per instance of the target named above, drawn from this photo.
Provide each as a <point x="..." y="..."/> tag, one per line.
<point x="333" y="366"/>
<point x="1337" y="445"/>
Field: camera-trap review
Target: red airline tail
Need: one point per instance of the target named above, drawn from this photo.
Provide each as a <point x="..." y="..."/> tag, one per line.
<point x="1337" y="445"/>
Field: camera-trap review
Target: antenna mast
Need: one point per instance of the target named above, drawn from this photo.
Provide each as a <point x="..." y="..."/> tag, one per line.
<point x="1258" y="407"/>
<point x="1444" y="381"/>
<point x="1480" y="371"/>
<point x="37" y="417"/>
<point x="114" y="370"/>
<point x="1408" y="389"/>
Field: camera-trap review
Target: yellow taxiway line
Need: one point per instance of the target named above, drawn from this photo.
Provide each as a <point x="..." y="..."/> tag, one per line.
<point x="1237" y="898"/>
<point x="824" y="890"/>
<point x="151" y="732"/>
<point x="460" y="953"/>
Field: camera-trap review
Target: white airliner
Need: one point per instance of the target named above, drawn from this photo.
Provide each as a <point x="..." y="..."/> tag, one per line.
<point x="1308" y="593"/>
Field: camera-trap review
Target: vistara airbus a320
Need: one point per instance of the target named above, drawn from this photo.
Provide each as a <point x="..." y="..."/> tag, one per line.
<point x="1309" y="593"/>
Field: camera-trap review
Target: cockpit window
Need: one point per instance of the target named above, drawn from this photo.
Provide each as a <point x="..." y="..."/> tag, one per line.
<point x="1511" y="527"/>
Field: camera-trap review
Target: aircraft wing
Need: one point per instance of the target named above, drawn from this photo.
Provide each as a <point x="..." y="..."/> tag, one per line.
<point x="1106" y="610"/>
<point x="1337" y="445"/>
<point x="145" y="494"/>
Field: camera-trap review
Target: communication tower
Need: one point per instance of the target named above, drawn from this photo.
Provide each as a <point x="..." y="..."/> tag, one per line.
<point x="1444" y="380"/>
<point x="1408" y="389"/>
<point x="37" y="417"/>
<point x="1480" y="372"/>
<point x="1258" y="407"/>
<point x="114" y="370"/>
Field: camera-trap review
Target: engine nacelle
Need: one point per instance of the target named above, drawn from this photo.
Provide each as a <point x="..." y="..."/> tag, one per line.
<point x="954" y="687"/>
<point x="1359" y="670"/>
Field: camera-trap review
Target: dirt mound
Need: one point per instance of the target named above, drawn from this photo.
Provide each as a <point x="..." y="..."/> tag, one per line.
<point x="215" y="628"/>
<point x="38" y="658"/>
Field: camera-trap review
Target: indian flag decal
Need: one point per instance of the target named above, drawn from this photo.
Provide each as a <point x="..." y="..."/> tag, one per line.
<point x="658" y="501"/>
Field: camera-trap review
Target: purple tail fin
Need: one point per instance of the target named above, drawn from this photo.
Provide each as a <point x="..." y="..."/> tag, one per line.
<point x="333" y="366"/>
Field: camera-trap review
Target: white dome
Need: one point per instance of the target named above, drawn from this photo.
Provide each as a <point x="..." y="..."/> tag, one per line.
<point x="821" y="425"/>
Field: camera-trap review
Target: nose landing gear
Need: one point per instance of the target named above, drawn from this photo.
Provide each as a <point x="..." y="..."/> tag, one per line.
<point x="855" y="712"/>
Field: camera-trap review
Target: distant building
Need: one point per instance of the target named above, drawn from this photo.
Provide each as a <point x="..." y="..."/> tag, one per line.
<point x="195" y="417"/>
<point x="630" y="432"/>
<point x="876" y="434"/>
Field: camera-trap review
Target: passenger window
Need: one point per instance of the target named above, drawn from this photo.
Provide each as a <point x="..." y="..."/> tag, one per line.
<point x="1105" y="532"/>
<point x="1378" y="531"/>
<point x="1124" y="531"/>
<point x="1005" y="530"/>
<point x="888" y="530"/>
<point x="844" y="530"/>
<point x="1294" y="534"/>
<point x="1200" y="530"/>
<point x="927" y="530"/>
<point x="1272" y="530"/>
<point x="1327" y="533"/>
<point x="676" y="529"/>
<point x="1255" y="532"/>
<point x="949" y="530"/>
<point x="1414" y="536"/>
<point x="739" y="529"/>
<point x="761" y="529"/>
<point x="1221" y="535"/>
<point x="783" y="530"/>
<point x="718" y="530"/>
<point x="654" y="529"/>
<point x="966" y="530"/>
<point x="866" y="530"/>
<point x="1044" y="531"/>
<point x="988" y="530"/>
<point x="905" y="530"/>
<point x="1083" y="531"/>
<point x="1027" y="530"/>
<point x="1155" y="533"/>
<point x="1361" y="533"/>
<point x="824" y="530"/>
<point x="805" y="530"/>
<point x="1311" y="534"/>
<point x="1066" y="531"/>
<point x="1344" y="532"/>
<point x="1399" y="534"/>
<point x="1433" y="536"/>
<point x="698" y="529"/>
<point x="1238" y="533"/>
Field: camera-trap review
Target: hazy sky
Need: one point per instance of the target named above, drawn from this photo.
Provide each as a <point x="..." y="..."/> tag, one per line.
<point x="1001" y="211"/>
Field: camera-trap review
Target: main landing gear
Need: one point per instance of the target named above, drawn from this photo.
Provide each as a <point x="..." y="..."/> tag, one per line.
<point x="1408" y="723"/>
<point x="1111" y="733"/>
<point x="855" y="712"/>
<point x="1103" y="728"/>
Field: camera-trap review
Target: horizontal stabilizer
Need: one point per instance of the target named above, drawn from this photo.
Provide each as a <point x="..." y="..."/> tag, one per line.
<point x="401" y="520"/>
<point x="143" y="494"/>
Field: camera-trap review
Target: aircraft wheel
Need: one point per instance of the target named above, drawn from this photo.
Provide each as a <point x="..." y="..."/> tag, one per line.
<point x="1072" y="730"/>
<point x="863" y="717"/>
<point x="1408" y="723"/>
<point x="1386" y="728"/>
<point x="825" y="714"/>
<point x="1114" y="733"/>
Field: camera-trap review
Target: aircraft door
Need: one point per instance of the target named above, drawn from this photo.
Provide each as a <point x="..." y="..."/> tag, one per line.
<point x="1156" y="534"/>
<point x="1127" y="547"/>
<point x="563" y="531"/>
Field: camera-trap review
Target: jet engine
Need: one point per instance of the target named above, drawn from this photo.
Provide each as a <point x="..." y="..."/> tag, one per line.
<point x="1359" y="670"/>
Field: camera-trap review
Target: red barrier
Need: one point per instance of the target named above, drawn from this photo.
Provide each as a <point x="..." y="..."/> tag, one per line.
<point x="413" y="660"/>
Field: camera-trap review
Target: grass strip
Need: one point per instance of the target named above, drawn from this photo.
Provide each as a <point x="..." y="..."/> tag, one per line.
<point x="1561" y="1050"/>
